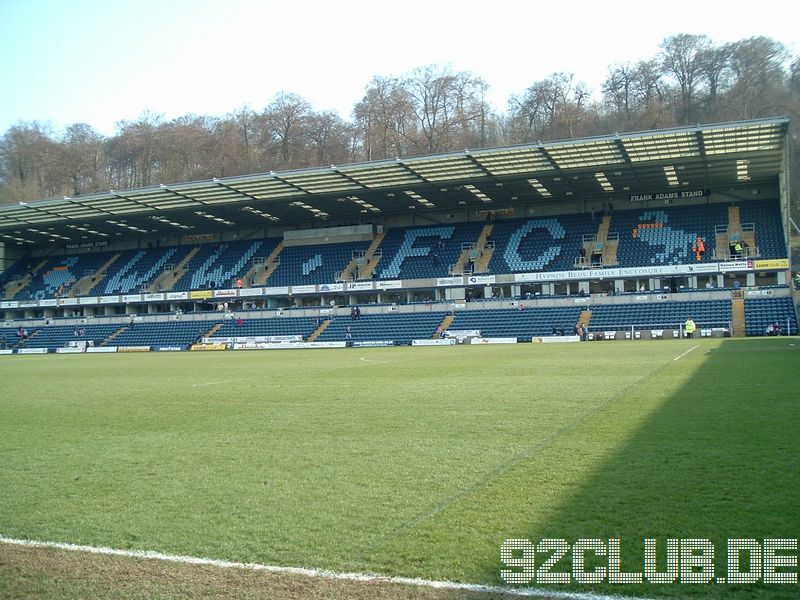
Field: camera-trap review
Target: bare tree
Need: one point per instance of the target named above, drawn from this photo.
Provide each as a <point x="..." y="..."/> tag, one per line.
<point x="133" y="150"/>
<point x="385" y="119"/>
<point x="28" y="162"/>
<point x="681" y="58"/>
<point x="328" y="137"/>
<point x="83" y="159"/>
<point x="284" y="119"/>
<point x="549" y="109"/>
<point x="758" y="71"/>
<point x="449" y="108"/>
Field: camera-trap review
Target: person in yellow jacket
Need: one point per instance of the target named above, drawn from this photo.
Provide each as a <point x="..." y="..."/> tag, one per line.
<point x="689" y="327"/>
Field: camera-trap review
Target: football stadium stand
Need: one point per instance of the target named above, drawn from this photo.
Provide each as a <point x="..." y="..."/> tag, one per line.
<point x="547" y="244"/>
<point x="314" y="264"/>
<point x="512" y="242"/>
<point x="522" y="324"/>
<point x="760" y="314"/>
<point x="653" y="315"/>
<point x="400" y="328"/>
<point x="423" y="252"/>
<point x="275" y="326"/>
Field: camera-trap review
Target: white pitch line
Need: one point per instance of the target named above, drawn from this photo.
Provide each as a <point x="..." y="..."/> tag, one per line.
<point x="207" y="383"/>
<point x="320" y="573"/>
<point x="365" y="359"/>
<point x="687" y="352"/>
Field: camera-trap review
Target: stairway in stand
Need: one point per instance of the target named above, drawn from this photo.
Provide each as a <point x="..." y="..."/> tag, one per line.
<point x="318" y="331"/>
<point x="443" y="326"/>
<point x="737" y="315"/>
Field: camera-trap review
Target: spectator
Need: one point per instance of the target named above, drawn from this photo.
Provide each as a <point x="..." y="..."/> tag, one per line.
<point x="699" y="248"/>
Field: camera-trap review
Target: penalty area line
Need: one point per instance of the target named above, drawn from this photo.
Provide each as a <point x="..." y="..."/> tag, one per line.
<point x="319" y="573"/>
<point x="685" y="353"/>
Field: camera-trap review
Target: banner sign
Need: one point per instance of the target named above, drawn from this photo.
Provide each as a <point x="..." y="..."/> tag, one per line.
<point x="481" y="279"/>
<point x="133" y="349"/>
<point x="168" y="348"/>
<point x="331" y="287"/>
<point x="252" y="338"/>
<point x="304" y="289"/>
<point x="556" y="338"/>
<point x="28" y="303"/>
<point x="132" y="298"/>
<point x="493" y="341"/>
<point x="277" y="291"/>
<point x="154" y="297"/>
<point x="288" y="345"/>
<point x="177" y="295"/>
<point x="200" y="295"/>
<point x="447" y="342"/>
<point x="389" y="285"/>
<point x="775" y="263"/>
<point x="225" y="293"/>
<point x="67" y="301"/>
<point x="106" y="300"/>
<point x="356" y="286"/>
<point x="7" y="351"/>
<point x="736" y="265"/>
<point x="102" y="349"/>
<point x="196" y="347"/>
<point x="668" y="195"/>
<point x="462" y="333"/>
<point x="48" y="302"/>
<point x="32" y="351"/>
<point x="443" y="281"/>
<point x="99" y="244"/>
<point x="373" y="344"/>
<point x="93" y="299"/>
<point x="196" y="238"/>
<point x="74" y="350"/>
<point x="251" y="291"/>
<point x="618" y="273"/>
<point x="9" y="304"/>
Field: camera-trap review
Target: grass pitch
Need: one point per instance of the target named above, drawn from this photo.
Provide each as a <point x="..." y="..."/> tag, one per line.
<point x="406" y="461"/>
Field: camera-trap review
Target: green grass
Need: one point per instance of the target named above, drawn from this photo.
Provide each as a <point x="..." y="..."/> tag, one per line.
<point x="406" y="461"/>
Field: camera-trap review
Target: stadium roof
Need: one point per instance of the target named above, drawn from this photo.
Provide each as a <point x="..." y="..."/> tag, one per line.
<point x="605" y="168"/>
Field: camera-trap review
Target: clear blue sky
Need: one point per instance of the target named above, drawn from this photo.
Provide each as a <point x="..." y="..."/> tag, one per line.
<point x="100" y="62"/>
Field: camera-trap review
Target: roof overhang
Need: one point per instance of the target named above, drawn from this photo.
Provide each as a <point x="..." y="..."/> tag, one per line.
<point x="746" y="153"/>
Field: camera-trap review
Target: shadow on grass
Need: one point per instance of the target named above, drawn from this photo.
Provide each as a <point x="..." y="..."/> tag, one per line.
<point x="705" y="448"/>
<point x="717" y="460"/>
